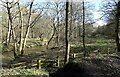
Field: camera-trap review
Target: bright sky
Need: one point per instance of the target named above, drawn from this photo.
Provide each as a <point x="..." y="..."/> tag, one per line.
<point x="96" y="3"/>
<point x="96" y="12"/>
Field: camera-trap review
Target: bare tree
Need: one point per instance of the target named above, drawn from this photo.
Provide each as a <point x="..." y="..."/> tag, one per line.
<point x="28" y="28"/>
<point x="54" y="30"/>
<point x="11" y="27"/>
<point x="11" y="32"/>
<point x="117" y="27"/>
<point x="70" y="22"/>
<point x="21" y="26"/>
<point x="84" y="29"/>
<point x="66" y="34"/>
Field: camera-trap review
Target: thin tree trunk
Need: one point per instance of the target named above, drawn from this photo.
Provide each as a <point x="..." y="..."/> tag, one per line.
<point x="57" y="35"/>
<point x="66" y="35"/>
<point x="8" y="34"/>
<point x="57" y="25"/>
<point x="54" y="29"/>
<point x="27" y="29"/>
<point x="15" y="44"/>
<point x="79" y="31"/>
<point x="84" y="30"/>
<point x="117" y="27"/>
<point x="32" y="33"/>
<point x="11" y="29"/>
<point x="21" y="28"/>
<point x="70" y="26"/>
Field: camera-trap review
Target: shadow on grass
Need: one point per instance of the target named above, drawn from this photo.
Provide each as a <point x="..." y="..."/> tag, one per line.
<point x="71" y="70"/>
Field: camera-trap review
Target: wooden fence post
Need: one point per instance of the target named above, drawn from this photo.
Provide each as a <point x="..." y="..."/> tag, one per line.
<point x="39" y="64"/>
<point x="68" y="55"/>
<point x="58" y="61"/>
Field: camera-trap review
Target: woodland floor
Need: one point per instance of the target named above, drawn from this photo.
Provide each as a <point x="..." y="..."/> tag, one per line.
<point x="95" y="65"/>
<point x="92" y="67"/>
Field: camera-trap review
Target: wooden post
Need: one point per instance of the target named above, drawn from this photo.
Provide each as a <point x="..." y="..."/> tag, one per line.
<point x="74" y="55"/>
<point x="58" y="61"/>
<point x="68" y="53"/>
<point x="39" y="64"/>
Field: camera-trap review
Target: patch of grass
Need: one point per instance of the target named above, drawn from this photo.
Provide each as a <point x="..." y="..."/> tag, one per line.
<point x="36" y="48"/>
<point x="16" y="71"/>
<point x="93" y="44"/>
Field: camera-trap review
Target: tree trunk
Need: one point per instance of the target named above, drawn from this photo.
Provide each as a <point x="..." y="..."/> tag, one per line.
<point x="84" y="30"/>
<point x="21" y="28"/>
<point x="11" y="29"/>
<point x="32" y="33"/>
<point x="15" y="44"/>
<point x="66" y="35"/>
<point x="8" y="33"/>
<point x="54" y="29"/>
<point x="70" y="23"/>
<point x="27" y="29"/>
<point x="117" y="27"/>
<point x="57" y="25"/>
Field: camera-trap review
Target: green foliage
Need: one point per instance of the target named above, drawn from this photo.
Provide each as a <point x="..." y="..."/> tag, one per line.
<point x="107" y="31"/>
